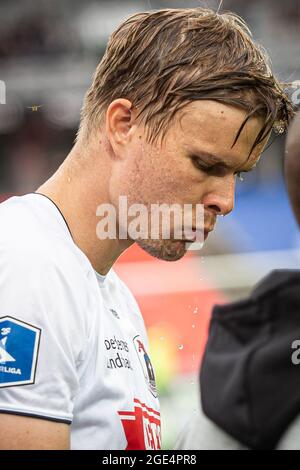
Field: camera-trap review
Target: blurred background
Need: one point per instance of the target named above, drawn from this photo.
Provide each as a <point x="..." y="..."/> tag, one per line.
<point x="48" y="53"/>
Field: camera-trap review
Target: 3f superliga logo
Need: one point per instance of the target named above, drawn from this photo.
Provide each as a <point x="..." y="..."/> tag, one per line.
<point x="19" y="346"/>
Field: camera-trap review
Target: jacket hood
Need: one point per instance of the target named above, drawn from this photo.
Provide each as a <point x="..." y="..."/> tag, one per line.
<point x="250" y="386"/>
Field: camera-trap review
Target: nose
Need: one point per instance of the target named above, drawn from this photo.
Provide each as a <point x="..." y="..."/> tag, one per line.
<point x="219" y="197"/>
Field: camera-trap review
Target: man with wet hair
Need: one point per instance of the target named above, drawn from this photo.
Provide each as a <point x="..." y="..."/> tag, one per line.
<point x="181" y="103"/>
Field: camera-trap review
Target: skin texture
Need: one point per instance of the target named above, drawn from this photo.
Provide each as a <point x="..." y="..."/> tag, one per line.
<point x="292" y="166"/>
<point x="168" y="172"/>
<point x="23" y="433"/>
<point x="116" y="161"/>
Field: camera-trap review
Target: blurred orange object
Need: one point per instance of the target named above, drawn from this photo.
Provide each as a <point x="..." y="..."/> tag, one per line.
<point x="175" y="298"/>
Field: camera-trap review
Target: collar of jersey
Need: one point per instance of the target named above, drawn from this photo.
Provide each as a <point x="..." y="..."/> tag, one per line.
<point x="100" y="277"/>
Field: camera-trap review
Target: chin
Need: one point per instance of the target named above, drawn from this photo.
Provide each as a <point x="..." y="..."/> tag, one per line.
<point x="167" y="250"/>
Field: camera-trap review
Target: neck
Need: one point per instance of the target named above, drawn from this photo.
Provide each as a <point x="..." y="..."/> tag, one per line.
<point x="78" y="187"/>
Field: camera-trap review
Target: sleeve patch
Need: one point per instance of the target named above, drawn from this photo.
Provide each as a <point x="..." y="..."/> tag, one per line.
<point x="19" y="348"/>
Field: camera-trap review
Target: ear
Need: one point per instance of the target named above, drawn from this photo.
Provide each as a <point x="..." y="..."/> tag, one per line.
<point x="119" y="125"/>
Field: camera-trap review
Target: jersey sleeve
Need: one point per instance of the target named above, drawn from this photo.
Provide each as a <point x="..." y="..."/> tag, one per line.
<point x="41" y="337"/>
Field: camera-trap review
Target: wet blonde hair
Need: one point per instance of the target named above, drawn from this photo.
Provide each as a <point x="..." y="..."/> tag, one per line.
<point x="162" y="60"/>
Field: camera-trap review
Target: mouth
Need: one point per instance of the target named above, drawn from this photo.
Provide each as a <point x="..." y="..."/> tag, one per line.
<point x="195" y="232"/>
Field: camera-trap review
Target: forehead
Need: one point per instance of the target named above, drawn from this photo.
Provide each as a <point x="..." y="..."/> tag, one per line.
<point x="212" y="127"/>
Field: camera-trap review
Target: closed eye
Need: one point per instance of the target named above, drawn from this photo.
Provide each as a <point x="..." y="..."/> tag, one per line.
<point x="218" y="169"/>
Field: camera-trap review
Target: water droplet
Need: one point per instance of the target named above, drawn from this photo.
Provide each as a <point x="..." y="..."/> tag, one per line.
<point x="180" y="346"/>
<point x="193" y="326"/>
<point x="162" y="338"/>
<point x="195" y="310"/>
<point x="192" y="382"/>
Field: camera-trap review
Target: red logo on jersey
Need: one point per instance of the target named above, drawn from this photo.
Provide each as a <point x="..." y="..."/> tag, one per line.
<point x="141" y="427"/>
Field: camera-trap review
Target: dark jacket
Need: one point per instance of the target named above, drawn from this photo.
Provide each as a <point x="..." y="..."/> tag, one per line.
<point x="250" y="386"/>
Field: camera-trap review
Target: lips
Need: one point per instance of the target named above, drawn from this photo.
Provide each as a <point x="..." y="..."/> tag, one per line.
<point x="194" y="231"/>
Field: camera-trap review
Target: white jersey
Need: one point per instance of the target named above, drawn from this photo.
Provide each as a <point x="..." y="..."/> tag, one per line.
<point x="73" y="345"/>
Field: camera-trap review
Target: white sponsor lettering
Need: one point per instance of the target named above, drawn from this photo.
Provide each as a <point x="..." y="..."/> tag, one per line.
<point x="10" y="370"/>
